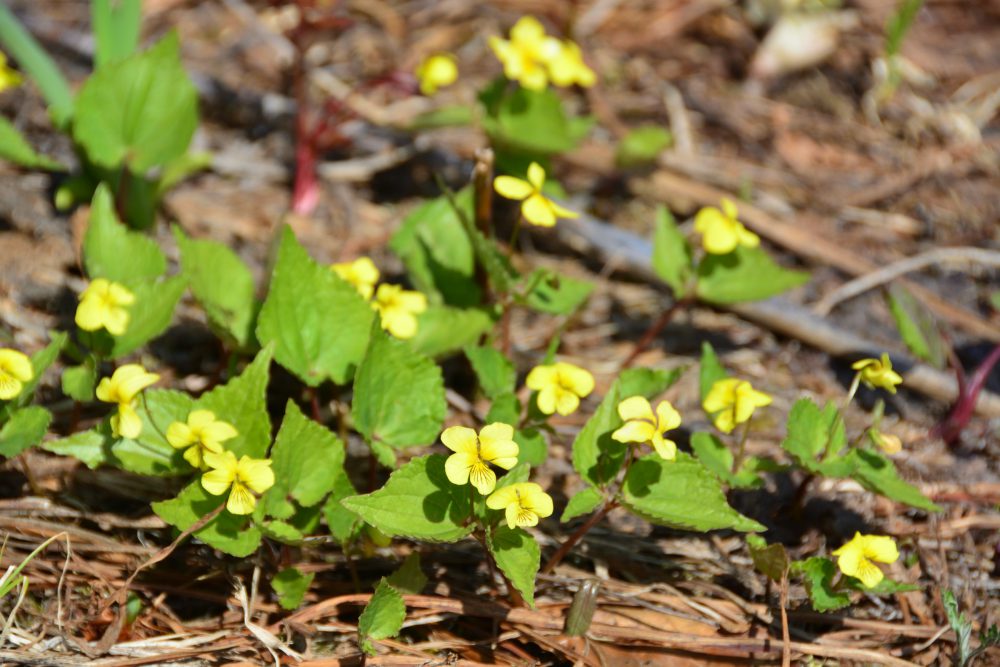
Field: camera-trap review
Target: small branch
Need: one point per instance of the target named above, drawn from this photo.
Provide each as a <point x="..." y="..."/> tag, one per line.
<point x="654" y="330"/>
<point x="572" y="540"/>
<point x="852" y="288"/>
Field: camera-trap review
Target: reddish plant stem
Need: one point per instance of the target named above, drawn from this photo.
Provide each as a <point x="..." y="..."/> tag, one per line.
<point x="951" y="428"/>
<point x="572" y="540"/>
<point x="654" y="330"/>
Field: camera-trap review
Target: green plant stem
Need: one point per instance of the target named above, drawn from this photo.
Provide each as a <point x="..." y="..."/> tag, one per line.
<point x="512" y="245"/>
<point x="852" y="391"/>
<point x="741" y="450"/>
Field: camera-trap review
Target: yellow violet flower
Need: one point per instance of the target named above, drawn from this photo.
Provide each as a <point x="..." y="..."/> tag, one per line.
<point x="473" y="454"/>
<point x="8" y="78"/>
<point x="526" y="56"/>
<point x="202" y="434"/>
<point x="524" y="503"/>
<point x="362" y="274"/>
<point x="560" y="387"/>
<point x="567" y="67"/>
<point x="732" y="401"/>
<point x="855" y="558"/>
<point x="103" y="305"/>
<point x="398" y="309"/>
<point x="721" y="231"/>
<point x="536" y="207"/>
<point x="437" y="71"/>
<point x="878" y="373"/>
<point x="122" y="388"/>
<point x="15" y="370"/>
<point x="245" y="478"/>
<point x="641" y="425"/>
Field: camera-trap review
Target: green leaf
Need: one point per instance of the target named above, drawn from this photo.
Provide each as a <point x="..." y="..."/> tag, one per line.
<point x="582" y="502"/>
<point x="282" y="531"/>
<point x="437" y="252"/>
<point x="878" y="474"/>
<point x="715" y="456"/>
<point x="443" y="329"/>
<point x="518" y="556"/>
<point x="40" y="362"/>
<point x="495" y="372"/>
<point x="15" y="148"/>
<point x="710" y="370"/>
<point x="917" y="326"/>
<point x="672" y="259"/>
<point x="533" y="448"/>
<point x="746" y="274"/>
<point x="25" y="428"/>
<point x="409" y="578"/>
<point x="818" y="574"/>
<point x="459" y="115"/>
<point x="418" y="502"/>
<point x="78" y="382"/>
<point x="769" y="559"/>
<point x="141" y="111"/>
<point x="223" y="285"/>
<point x="243" y="403"/>
<point x="291" y="585"/>
<point x="529" y="121"/>
<point x="342" y="522"/>
<point x="116" y="29"/>
<point x="318" y="322"/>
<point x="306" y="459"/>
<point x="112" y="251"/>
<point x="32" y="58"/>
<point x="557" y="294"/>
<point x="642" y="145"/>
<point x="150" y="453"/>
<point x="150" y="315"/>
<point x="505" y="408"/>
<point x="382" y="618"/>
<point x="595" y="455"/>
<point x="398" y="394"/>
<point x="680" y="494"/>
<point x="816" y="437"/>
<point x="899" y="24"/>
<point x="90" y="447"/>
<point x="232" y="534"/>
<point x="884" y="587"/>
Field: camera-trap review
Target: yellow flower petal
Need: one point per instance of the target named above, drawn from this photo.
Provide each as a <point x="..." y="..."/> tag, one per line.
<point x="461" y="439"/>
<point x="502" y="497"/>
<point x="437" y="71"/>
<point x="576" y="379"/>
<point x="636" y="407"/>
<point x="634" y="431"/>
<point x="223" y="472"/>
<point x="566" y="401"/>
<point x="548" y="398"/>
<point x="541" y="376"/>
<point x="855" y="557"/>
<point x="130" y="379"/>
<point x="721" y="395"/>
<point x="128" y="423"/>
<point x="537" y="210"/>
<point x="482" y="478"/>
<point x="667" y="417"/>
<point x="241" y="501"/>
<point x="562" y="211"/>
<point x="497" y="446"/>
<point x="255" y="473"/>
<point x="16" y="364"/>
<point x="881" y="548"/>
<point x="193" y="456"/>
<point x="729" y="208"/>
<point x="180" y="435"/>
<point x="512" y="188"/>
<point x="667" y="449"/>
<point x="458" y="466"/>
<point x="536" y="176"/>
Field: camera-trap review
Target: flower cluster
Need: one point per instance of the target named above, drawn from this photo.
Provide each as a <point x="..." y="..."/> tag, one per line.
<point x="201" y="436"/>
<point x="533" y="58"/>
<point x="15" y="370"/>
<point x="398" y="308"/>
